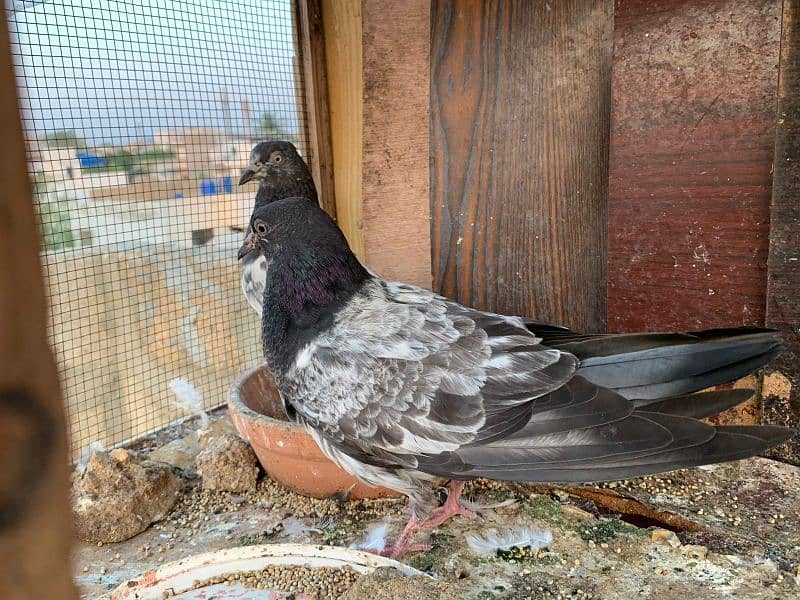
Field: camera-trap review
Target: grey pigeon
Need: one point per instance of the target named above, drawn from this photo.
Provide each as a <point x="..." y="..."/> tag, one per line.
<point x="281" y="173"/>
<point x="402" y="387"/>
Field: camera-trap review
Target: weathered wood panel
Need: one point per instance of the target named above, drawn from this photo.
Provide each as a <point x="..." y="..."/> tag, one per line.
<point x="35" y="533"/>
<point x="691" y="150"/>
<point x="781" y="402"/>
<point x="311" y="45"/>
<point x="377" y="53"/>
<point x="520" y="95"/>
<point x="342" y="28"/>
<point x="395" y="212"/>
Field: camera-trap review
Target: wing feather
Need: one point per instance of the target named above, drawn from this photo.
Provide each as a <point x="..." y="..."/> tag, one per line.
<point x="410" y="373"/>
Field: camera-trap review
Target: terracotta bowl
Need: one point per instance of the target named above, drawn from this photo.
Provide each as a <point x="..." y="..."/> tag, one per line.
<point x="287" y="452"/>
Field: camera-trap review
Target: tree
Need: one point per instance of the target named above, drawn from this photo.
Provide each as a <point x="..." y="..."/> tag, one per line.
<point x="269" y="123"/>
<point x="53" y="217"/>
<point x="65" y="138"/>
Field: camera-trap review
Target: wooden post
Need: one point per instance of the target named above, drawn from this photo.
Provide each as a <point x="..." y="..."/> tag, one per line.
<point x="315" y="84"/>
<point x="34" y="513"/>
<point x="781" y="390"/>
<point x="396" y="204"/>
<point x="378" y="54"/>
<point x="520" y="96"/>
<point x="342" y="27"/>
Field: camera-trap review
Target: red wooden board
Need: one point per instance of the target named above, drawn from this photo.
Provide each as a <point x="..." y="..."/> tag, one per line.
<point x="781" y="389"/>
<point x="692" y="138"/>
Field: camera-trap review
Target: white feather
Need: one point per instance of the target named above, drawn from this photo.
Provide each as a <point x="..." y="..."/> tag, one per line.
<point x="478" y="506"/>
<point x="189" y="399"/>
<point x="374" y="540"/>
<point x="525" y="536"/>
<point x="84" y="459"/>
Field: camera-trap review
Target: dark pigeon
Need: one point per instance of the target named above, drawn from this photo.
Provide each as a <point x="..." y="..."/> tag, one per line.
<point x="281" y="173"/>
<point x="402" y="387"/>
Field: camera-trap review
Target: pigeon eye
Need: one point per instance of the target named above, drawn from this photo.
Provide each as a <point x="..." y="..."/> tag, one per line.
<point x="261" y="228"/>
<point x="277" y="159"/>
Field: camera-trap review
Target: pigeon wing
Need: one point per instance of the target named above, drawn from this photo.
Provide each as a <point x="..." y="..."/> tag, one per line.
<point x="404" y="373"/>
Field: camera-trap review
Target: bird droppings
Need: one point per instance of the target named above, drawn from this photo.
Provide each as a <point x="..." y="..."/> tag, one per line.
<point x="595" y="552"/>
<point x="604" y="530"/>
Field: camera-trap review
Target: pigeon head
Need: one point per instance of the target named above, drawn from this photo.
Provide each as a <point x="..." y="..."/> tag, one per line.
<point x="293" y="229"/>
<point x="280" y="173"/>
<point x="276" y="164"/>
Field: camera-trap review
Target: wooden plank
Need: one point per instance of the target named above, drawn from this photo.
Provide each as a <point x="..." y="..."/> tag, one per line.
<point x="395" y="213"/>
<point x="781" y="402"/>
<point x="315" y="84"/>
<point x="299" y="89"/>
<point x="520" y="96"/>
<point x="35" y="532"/>
<point x="342" y="29"/>
<point x="691" y="150"/>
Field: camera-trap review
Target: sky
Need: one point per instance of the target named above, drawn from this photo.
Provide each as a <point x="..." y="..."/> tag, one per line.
<point x="120" y="70"/>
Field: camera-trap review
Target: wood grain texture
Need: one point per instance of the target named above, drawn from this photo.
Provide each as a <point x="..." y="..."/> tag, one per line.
<point x="315" y="85"/>
<point x="691" y="150"/>
<point x="520" y="95"/>
<point x="781" y="391"/>
<point x="35" y="532"/>
<point x="343" y="32"/>
<point x="396" y="210"/>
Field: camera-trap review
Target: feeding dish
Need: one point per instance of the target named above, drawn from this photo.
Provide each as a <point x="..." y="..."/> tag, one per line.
<point x="286" y="451"/>
<point x="179" y="579"/>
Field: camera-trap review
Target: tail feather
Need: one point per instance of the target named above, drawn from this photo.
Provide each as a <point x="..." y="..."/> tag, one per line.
<point x="728" y="443"/>
<point x="651" y="366"/>
<point x="696" y="406"/>
<point x="694" y="383"/>
<point x="630" y="410"/>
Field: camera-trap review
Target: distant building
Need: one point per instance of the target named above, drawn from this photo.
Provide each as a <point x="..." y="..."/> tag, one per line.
<point x="67" y="171"/>
<point x="203" y="153"/>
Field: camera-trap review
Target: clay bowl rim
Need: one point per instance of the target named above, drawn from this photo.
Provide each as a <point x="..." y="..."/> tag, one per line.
<point x="288" y="435"/>
<point x="236" y="403"/>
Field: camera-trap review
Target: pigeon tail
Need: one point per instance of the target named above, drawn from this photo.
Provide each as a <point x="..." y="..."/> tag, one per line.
<point x="647" y="367"/>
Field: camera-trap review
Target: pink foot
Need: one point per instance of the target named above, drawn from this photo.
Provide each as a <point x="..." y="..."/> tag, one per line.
<point x="451" y="508"/>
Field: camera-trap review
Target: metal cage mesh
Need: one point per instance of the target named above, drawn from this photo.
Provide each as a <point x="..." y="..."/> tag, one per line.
<point x="139" y="115"/>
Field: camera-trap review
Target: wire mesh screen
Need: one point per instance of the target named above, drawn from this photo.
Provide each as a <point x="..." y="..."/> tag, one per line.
<point x="139" y="116"/>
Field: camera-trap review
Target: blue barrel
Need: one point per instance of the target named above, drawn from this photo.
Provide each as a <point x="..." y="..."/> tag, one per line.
<point x="90" y="161"/>
<point x="208" y="187"/>
<point x="227" y="185"/>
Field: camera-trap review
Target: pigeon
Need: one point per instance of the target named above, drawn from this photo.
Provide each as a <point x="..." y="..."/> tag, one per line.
<point x="404" y="388"/>
<point x="281" y="173"/>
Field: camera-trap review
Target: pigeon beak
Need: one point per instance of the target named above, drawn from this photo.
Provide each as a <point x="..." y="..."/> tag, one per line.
<point x="248" y="174"/>
<point x="248" y="246"/>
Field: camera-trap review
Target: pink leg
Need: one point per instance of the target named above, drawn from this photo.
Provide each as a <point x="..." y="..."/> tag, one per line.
<point x="451" y="508"/>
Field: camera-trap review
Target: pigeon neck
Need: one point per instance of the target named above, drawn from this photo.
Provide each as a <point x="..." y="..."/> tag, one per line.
<point x="298" y="186"/>
<point x="303" y="294"/>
